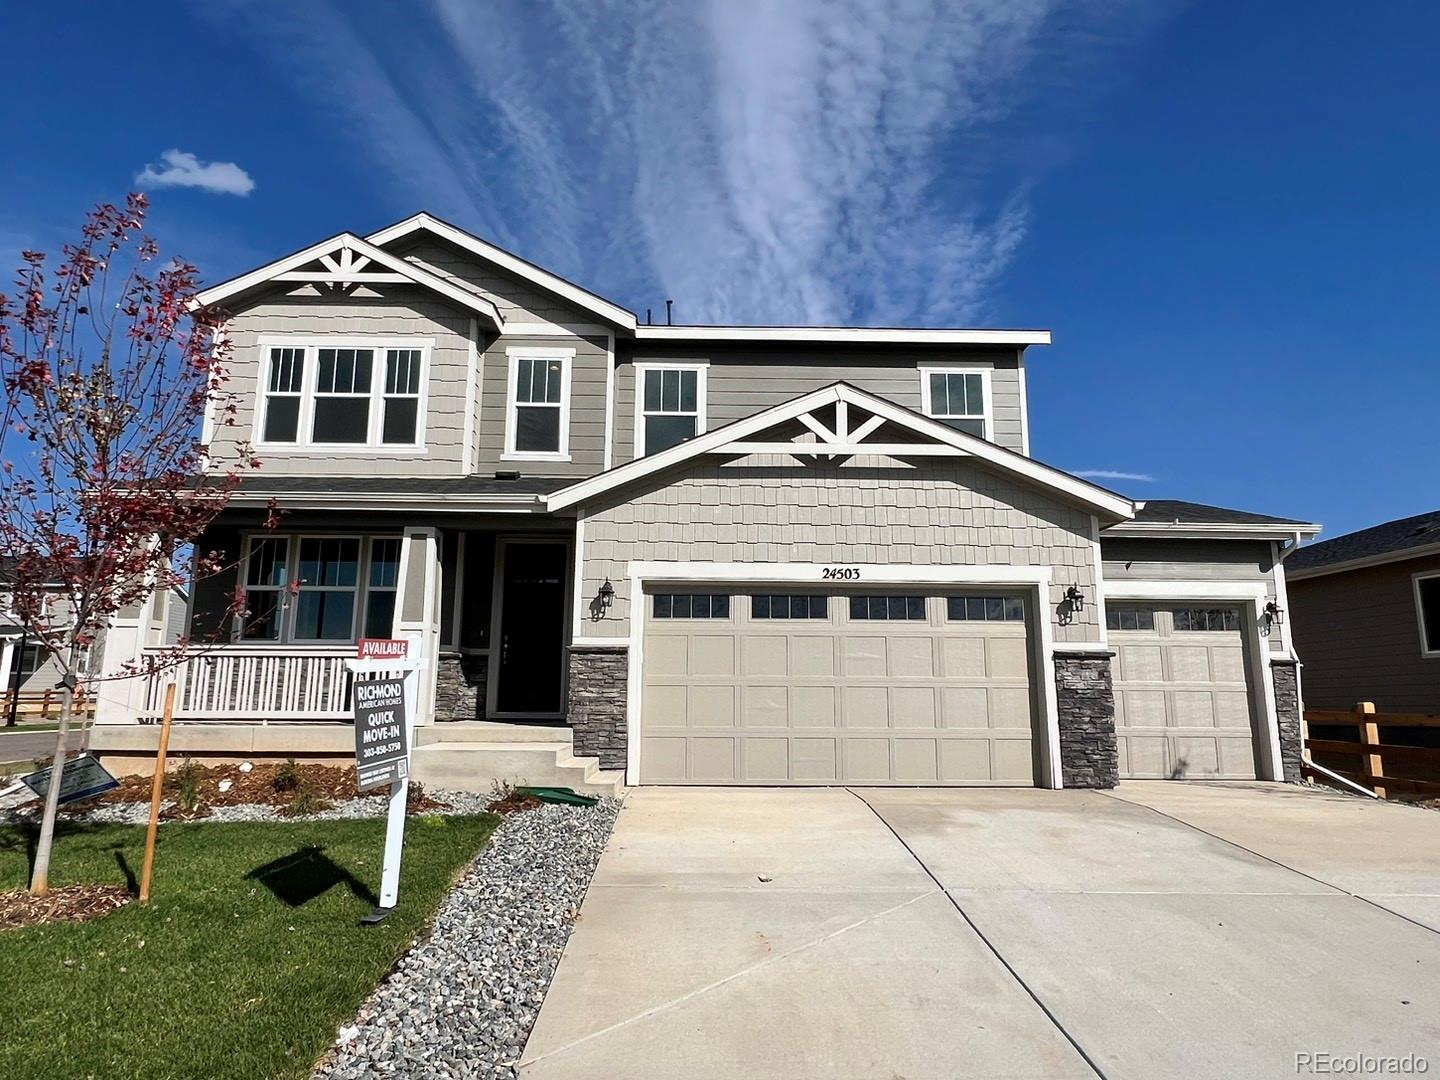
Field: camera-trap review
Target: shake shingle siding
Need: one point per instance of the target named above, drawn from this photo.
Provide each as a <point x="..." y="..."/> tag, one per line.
<point x="765" y="511"/>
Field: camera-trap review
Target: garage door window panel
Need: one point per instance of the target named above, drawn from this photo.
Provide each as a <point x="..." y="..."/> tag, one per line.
<point x="888" y="608"/>
<point x="1202" y="620"/>
<point x="789" y="606"/>
<point x="691" y="606"/>
<point x="985" y="609"/>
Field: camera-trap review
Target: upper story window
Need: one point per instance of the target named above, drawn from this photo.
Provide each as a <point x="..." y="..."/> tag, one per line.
<point x="1427" y="609"/>
<point x="337" y="394"/>
<point x="959" y="397"/>
<point x="537" y="412"/>
<point x="346" y="587"/>
<point x="669" y="405"/>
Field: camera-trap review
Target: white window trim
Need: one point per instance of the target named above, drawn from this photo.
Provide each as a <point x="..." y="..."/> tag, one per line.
<point x="372" y="447"/>
<point x="987" y="414"/>
<point x="1415" y="579"/>
<point x="514" y="355"/>
<point x="292" y="569"/>
<point x="702" y="370"/>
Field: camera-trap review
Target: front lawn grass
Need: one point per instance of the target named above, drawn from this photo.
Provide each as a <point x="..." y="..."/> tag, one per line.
<point x="247" y="958"/>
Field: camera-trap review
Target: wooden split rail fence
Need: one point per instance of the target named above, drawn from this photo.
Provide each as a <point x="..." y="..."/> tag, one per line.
<point x="1371" y="760"/>
<point x="39" y="707"/>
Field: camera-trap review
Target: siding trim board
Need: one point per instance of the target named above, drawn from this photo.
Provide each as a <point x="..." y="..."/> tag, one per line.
<point x="1251" y="597"/>
<point x="1036" y="580"/>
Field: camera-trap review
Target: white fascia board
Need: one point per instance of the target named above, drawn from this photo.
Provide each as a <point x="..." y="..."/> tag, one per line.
<point x="336" y="500"/>
<point x="1097" y="498"/>
<point x="1360" y="564"/>
<point x="513" y="264"/>
<point x="1211" y="531"/>
<point x="834" y="335"/>
<point x="218" y="293"/>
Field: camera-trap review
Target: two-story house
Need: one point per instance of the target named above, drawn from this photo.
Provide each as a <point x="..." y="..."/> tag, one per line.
<point x="699" y="554"/>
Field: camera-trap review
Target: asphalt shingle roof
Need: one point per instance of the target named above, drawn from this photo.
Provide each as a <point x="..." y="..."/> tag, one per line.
<point x="1391" y="538"/>
<point x="1169" y="511"/>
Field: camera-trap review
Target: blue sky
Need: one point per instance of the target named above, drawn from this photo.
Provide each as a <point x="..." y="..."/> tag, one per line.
<point x="1225" y="212"/>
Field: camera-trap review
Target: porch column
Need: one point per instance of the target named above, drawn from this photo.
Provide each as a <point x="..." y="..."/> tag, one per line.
<point x="119" y="700"/>
<point x="417" y="608"/>
<point x="7" y="658"/>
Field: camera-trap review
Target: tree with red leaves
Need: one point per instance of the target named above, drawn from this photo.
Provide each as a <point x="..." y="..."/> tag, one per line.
<point x="109" y="370"/>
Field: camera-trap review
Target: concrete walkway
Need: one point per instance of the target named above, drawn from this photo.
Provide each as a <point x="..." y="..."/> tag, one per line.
<point x="1163" y="930"/>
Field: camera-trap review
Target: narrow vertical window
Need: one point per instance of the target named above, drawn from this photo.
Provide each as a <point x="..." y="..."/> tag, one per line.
<point x="329" y="575"/>
<point x="342" y="396"/>
<point x="380" y="586"/>
<point x="538" y="406"/>
<point x="402" y="397"/>
<point x="283" y="390"/>
<point x="671" y="406"/>
<point x="266" y="575"/>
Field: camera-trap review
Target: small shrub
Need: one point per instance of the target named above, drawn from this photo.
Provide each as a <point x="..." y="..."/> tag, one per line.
<point x="187" y="786"/>
<point x="287" y="777"/>
<point x="308" y="799"/>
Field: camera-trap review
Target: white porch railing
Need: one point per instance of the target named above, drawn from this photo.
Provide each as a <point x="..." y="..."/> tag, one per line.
<point x="255" y="684"/>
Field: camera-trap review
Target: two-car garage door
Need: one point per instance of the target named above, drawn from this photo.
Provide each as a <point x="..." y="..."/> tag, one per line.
<point x="769" y="686"/>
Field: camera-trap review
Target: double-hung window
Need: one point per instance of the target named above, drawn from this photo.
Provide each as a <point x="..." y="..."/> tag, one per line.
<point x="537" y="417"/>
<point x="333" y="393"/>
<point x="267" y="568"/>
<point x="669" y="405"/>
<point x="384" y="577"/>
<point x="958" y="398"/>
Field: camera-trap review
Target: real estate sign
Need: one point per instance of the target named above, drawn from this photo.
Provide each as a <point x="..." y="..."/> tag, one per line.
<point x="382" y="753"/>
<point x="83" y="778"/>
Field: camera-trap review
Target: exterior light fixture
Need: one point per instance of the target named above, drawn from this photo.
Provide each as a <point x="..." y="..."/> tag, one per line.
<point x="606" y="596"/>
<point x="1274" y="614"/>
<point x="1075" y="598"/>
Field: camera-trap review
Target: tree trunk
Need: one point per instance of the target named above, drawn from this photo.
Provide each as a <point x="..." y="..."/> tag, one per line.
<point x="40" y="879"/>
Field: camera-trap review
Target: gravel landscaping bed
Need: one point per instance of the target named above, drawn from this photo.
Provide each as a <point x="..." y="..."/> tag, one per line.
<point x="462" y="1001"/>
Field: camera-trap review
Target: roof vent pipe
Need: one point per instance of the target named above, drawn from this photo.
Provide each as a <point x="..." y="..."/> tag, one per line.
<point x="668" y="303"/>
<point x="647" y="318"/>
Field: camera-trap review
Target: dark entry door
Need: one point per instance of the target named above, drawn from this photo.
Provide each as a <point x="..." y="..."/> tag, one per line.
<point x="532" y="628"/>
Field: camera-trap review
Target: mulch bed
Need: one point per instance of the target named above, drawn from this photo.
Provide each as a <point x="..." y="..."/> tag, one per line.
<point x="513" y="802"/>
<point x="267" y="783"/>
<point x="67" y="903"/>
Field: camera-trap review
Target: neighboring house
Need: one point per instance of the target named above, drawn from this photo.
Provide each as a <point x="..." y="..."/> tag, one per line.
<point x="1366" y="612"/>
<point x="704" y="554"/>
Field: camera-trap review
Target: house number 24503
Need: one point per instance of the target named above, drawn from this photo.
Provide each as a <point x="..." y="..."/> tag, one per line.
<point x="840" y="573"/>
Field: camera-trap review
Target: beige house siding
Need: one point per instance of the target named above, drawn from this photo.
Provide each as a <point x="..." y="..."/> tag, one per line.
<point x="401" y="313"/>
<point x="518" y="301"/>
<point x="1358" y="636"/>
<point x="951" y="512"/>
<point x="745" y="381"/>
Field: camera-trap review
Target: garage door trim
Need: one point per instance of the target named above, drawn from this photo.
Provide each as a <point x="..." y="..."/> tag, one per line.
<point x="1251" y="598"/>
<point x="1034" y="581"/>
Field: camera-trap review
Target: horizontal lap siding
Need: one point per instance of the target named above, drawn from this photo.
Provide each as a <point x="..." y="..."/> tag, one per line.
<point x="950" y="513"/>
<point x="1359" y="638"/>
<point x="745" y="382"/>
<point x="405" y="313"/>
<point x="517" y="300"/>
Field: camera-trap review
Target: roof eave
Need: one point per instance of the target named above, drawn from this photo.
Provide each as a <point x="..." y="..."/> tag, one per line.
<point x="1181" y="530"/>
<point x="858" y="335"/>
<point x="1382" y="559"/>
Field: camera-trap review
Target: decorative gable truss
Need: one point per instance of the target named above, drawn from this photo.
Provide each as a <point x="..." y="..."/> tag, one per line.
<point x="841" y="421"/>
<point x="342" y="265"/>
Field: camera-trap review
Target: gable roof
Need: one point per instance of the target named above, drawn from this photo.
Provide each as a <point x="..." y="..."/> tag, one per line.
<point x="348" y="245"/>
<point x="1393" y="541"/>
<point x="720" y="440"/>
<point x="508" y="261"/>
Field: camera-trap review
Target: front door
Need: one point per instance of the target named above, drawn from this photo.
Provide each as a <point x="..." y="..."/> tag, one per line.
<point x="532" y="627"/>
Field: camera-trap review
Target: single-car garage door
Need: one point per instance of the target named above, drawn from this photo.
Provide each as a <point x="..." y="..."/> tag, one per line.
<point x="1183" y="706"/>
<point x="767" y="686"/>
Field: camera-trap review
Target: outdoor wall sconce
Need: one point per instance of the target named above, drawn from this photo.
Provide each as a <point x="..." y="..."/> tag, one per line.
<point x="1274" y="614"/>
<point x="1075" y="598"/>
<point x="606" y="596"/>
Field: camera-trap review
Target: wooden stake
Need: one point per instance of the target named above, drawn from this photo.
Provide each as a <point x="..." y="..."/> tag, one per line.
<point x="155" y="790"/>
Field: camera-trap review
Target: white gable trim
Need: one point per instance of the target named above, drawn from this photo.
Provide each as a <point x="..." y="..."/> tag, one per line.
<point x="942" y="440"/>
<point x="348" y="269"/>
<point x="854" y="335"/>
<point x="513" y="264"/>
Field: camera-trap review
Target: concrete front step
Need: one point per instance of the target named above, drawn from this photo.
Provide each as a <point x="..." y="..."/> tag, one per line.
<point x="492" y="731"/>
<point x="479" y="766"/>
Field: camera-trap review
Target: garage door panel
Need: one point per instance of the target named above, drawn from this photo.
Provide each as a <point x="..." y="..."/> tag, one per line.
<point x="1183" y="705"/>
<point x="881" y="700"/>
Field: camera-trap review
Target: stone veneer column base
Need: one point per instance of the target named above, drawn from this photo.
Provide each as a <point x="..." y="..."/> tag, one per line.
<point x="599" y="682"/>
<point x="460" y="687"/>
<point x="1286" y="676"/>
<point x="1086" y="701"/>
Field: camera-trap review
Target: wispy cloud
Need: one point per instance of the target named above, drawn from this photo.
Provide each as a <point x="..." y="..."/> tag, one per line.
<point x="771" y="161"/>
<point x="1115" y="474"/>
<point x="182" y="169"/>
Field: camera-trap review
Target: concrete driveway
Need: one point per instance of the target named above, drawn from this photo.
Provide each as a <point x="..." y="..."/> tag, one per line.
<point x="1162" y="930"/>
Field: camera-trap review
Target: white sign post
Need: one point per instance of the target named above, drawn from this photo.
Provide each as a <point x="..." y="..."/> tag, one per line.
<point x="375" y="735"/>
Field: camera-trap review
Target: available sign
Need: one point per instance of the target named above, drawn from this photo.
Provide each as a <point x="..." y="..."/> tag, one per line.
<point x="382" y="755"/>
<point x="83" y="778"/>
<point x="374" y="648"/>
